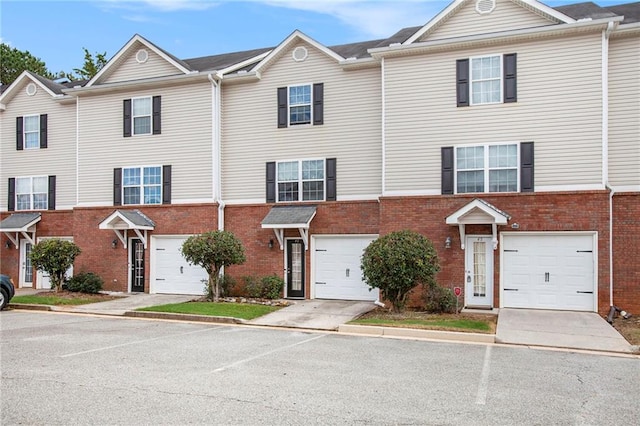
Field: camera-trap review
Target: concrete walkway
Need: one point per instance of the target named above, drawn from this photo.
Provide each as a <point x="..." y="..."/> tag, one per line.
<point x="130" y="302"/>
<point x="562" y="329"/>
<point x="315" y="314"/>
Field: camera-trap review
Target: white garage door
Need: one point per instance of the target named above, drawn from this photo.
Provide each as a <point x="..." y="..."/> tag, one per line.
<point x="337" y="268"/>
<point x="549" y="271"/>
<point x="170" y="272"/>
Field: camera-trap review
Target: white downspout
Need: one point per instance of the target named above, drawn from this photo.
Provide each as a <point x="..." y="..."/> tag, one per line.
<point x="384" y="129"/>
<point x="217" y="149"/>
<point x="77" y="150"/>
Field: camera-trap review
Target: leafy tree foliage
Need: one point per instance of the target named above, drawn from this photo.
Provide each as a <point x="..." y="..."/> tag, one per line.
<point x="212" y="251"/>
<point x="397" y="262"/>
<point x="13" y="62"/>
<point x="92" y="66"/>
<point x="54" y="257"/>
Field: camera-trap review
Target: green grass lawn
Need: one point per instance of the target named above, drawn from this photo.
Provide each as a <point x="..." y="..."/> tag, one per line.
<point x="48" y="299"/>
<point x="233" y="310"/>
<point x="434" y="324"/>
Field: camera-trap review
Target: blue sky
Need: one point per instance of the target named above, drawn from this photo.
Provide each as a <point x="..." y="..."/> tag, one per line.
<point x="56" y="31"/>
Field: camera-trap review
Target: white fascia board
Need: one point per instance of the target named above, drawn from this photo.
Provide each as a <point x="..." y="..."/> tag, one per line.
<point x="296" y="35"/>
<point x="243" y="64"/>
<point x="8" y="94"/>
<point x="546" y="10"/>
<point x="510" y="36"/>
<point x="444" y="14"/>
<point x="626" y="29"/>
<point x="125" y="48"/>
<point x="244" y="77"/>
<point x="107" y="87"/>
<point x="286" y="225"/>
<point x="349" y="64"/>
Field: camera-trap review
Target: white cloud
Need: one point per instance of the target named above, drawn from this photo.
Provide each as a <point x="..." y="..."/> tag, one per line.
<point x="372" y="18"/>
<point x="160" y="5"/>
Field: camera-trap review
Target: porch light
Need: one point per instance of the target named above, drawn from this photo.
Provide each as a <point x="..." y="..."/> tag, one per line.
<point x="271" y="243"/>
<point x="447" y="243"/>
<point x="7" y="245"/>
<point x="114" y="243"/>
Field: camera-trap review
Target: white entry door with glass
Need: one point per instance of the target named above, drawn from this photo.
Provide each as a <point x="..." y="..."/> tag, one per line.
<point x="478" y="272"/>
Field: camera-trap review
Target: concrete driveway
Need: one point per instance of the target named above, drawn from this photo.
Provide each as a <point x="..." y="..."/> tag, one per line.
<point x="562" y="329"/>
<point x="315" y="314"/>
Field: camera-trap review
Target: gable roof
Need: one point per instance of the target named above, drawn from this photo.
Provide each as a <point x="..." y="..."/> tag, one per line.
<point x="453" y="8"/>
<point x="55" y="90"/>
<point x="118" y="57"/>
<point x="630" y="11"/>
<point x="586" y="10"/>
<point x="225" y="60"/>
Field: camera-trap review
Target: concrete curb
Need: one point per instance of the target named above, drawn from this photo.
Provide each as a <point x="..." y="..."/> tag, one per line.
<point x="377" y="331"/>
<point x="184" y="317"/>
<point x="29" y="307"/>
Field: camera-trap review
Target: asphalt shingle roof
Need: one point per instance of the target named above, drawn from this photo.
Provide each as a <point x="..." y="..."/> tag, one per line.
<point x="18" y="221"/>
<point x="289" y="215"/>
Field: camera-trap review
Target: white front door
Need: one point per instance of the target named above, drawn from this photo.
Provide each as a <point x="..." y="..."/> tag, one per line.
<point x="26" y="269"/>
<point x="479" y="272"/>
<point x="43" y="280"/>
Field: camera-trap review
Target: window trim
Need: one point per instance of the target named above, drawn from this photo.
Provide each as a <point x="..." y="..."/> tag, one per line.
<point x="31" y="193"/>
<point x="133" y="116"/>
<point x="289" y="106"/>
<point x="486" y="168"/>
<point x="301" y="181"/>
<point x="471" y="80"/>
<point x="24" y="131"/>
<point x="142" y="185"/>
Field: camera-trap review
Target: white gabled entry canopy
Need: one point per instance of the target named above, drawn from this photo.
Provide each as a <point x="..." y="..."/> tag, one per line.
<point x="280" y="218"/>
<point x="121" y="221"/>
<point x="21" y="224"/>
<point x="478" y="212"/>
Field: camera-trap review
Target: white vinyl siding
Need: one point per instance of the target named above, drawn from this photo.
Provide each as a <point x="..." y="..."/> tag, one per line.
<point x="351" y="132"/>
<point x="422" y="116"/>
<point x="506" y="16"/>
<point x="59" y="157"/>
<point x="624" y="112"/>
<point x="129" y="69"/>
<point x="185" y="143"/>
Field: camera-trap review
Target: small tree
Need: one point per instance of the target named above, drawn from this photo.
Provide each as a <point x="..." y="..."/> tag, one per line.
<point x="212" y="251"/>
<point x="398" y="262"/>
<point x="54" y="257"/>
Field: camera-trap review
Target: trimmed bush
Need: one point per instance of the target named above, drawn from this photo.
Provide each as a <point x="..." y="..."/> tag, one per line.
<point x="85" y="282"/>
<point x="439" y="299"/>
<point x="269" y="287"/>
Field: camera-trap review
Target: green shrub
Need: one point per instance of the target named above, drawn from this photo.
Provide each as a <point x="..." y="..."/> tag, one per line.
<point x="227" y="284"/>
<point x="85" y="282"/>
<point x="269" y="287"/>
<point x="439" y="299"/>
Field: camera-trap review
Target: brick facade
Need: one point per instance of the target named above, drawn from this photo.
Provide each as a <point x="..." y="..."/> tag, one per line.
<point x="626" y="249"/>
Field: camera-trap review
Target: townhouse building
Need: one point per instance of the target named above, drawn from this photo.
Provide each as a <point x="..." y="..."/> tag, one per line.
<point x="506" y="131"/>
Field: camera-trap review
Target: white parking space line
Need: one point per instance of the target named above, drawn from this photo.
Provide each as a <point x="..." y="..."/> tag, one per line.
<point x="242" y="361"/>
<point x="137" y="342"/>
<point x="481" y="399"/>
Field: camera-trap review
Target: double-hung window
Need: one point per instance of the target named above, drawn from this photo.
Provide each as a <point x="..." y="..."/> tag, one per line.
<point x="32" y="193"/>
<point x="300" y="104"/>
<point x="142" y="185"/>
<point x="31" y="131"/>
<point x="486" y="80"/>
<point x="141" y="114"/>
<point x="301" y="180"/>
<point x="489" y="79"/>
<point x="487" y="168"/>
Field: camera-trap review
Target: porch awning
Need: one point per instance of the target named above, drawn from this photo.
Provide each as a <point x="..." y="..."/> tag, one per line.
<point x="280" y="218"/>
<point x="121" y="221"/>
<point x="20" y="224"/>
<point x="478" y="212"/>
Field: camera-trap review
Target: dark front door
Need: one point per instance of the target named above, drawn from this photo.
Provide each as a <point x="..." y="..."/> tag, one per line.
<point x="295" y="268"/>
<point x="137" y="266"/>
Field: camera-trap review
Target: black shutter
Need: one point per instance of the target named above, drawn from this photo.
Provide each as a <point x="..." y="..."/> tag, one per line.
<point x="117" y="187"/>
<point x="526" y="167"/>
<point x="43" y="131"/>
<point x="318" y="101"/>
<point x="19" y="134"/>
<point x="282" y="107"/>
<point x="331" y="179"/>
<point x="11" y="205"/>
<point x="156" y="115"/>
<point x="462" y="82"/>
<point x="166" y="184"/>
<point x="447" y="170"/>
<point x="52" y="192"/>
<point x="271" y="182"/>
<point x="510" y="91"/>
<point x="127" y="118"/>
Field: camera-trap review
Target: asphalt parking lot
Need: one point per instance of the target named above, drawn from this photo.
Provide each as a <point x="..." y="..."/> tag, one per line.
<point x="76" y="369"/>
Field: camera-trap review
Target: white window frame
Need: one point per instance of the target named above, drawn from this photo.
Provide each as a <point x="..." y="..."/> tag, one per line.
<point x="501" y="78"/>
<point x="36" y="117"/>
<point x="310" y="104"/>
<point x="486" y="169"/>
<point x="141" y="185"/>
<point x="31" y="193"/>
<point x="133" y="116"/>
<point x="301" y="181"/>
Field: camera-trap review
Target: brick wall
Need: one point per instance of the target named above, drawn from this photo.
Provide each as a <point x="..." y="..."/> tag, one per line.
<point x="626" y="255"/>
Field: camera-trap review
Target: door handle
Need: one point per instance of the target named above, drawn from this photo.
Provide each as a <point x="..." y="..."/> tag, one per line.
<point x="182" y="269"/>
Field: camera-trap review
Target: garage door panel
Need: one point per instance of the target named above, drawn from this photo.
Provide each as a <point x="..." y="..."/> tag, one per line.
<point x="337" y="269"/>
<point x="548" y="272"/>
<point x="172" y="274"/>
